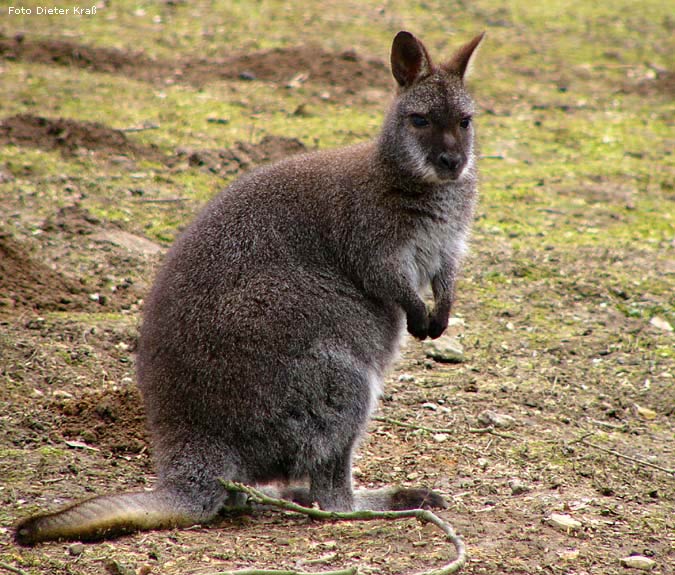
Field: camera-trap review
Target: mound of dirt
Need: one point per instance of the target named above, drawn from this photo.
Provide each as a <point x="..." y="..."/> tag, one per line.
<point x="346" y="70"/>
<point x="72" y="219"/>
<point x="69" y="54"/>
<point x="68" y="136"/>
<point x="242" y="156"/>
<point x="27" y="283"/>
<point x="663" y="84"/>
<point x="111" y="419"/>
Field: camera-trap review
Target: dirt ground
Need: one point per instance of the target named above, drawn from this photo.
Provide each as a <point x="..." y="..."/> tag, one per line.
<point x="583" y="392"/>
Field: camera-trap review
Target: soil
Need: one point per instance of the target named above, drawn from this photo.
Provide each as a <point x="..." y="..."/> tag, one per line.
<point x="72" y="137"/>
<point x="74" y="418"/>
<point x="27" y="283"/>
<point x="68" y="136"/>
<point x="347" y="70"/>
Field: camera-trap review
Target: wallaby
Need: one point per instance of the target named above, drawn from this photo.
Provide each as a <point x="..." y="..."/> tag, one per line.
<point x="276" y="314"/>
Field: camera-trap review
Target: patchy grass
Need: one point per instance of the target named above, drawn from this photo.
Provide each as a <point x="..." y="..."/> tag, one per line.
<point x="573" y="261"/>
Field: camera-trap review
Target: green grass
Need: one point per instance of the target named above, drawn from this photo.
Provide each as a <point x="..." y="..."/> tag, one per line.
<point x="572" y="252"/>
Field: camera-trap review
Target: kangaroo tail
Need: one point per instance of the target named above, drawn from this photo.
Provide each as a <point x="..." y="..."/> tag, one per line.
<point x="106" y="517"/>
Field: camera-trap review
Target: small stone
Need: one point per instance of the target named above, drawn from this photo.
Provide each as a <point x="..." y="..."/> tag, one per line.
<point x="660" y="323"/>
<point x="564" y="522"/>
<point x="430" y="406"/>
<point x="644" y="412"/>
<point x="115" y="567"/>
<point x="297" y="80"/>
<point x="445" y="349"/>
<point x="406" y="378"/>
<point x="482" y="463"/>
<point x="81" y="445"/>
<point x="76" y="549"/>
<point x="518" y="487"/>
<point x="441" y="437"/>
<point x="569" y="554"/>
<point x="638" y="562"/>
<point x="493" y="419"/>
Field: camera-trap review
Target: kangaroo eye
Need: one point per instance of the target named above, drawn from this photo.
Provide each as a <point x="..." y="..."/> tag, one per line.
<point x="418" y="121"/>
<point x="465" y="122"/>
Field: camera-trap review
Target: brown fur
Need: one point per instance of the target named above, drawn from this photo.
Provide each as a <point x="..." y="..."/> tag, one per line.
<point x="271" y="325"/>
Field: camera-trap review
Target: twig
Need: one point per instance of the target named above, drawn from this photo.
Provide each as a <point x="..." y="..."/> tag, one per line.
<point x="161" y="200"/>
<point x="413" y="425"/>
<point x="253" y="571"/>
<point x="618" y="427"/>
<point x="141" y="128"/>
<point x="422" y="515"/>
<point x="490" y="429"/>
<point x="11" y="568"/>
<point x="623" y="456"/>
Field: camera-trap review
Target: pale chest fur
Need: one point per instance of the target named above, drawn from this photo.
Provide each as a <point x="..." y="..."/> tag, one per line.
<point x="422" y="257"/>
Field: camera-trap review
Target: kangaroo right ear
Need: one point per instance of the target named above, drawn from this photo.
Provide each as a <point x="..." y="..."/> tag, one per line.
<point x="410" y="61"/>
<point x="460" y="63"/>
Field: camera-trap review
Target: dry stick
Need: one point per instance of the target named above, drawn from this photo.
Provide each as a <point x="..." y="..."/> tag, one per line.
<point x="623" y="456"/>
<point x="160" y="200"/>
<point x="422" y="515"/>
<point x="12" y="568"/>
<point x="490" y="429"/>
<point x="141" y="128"/>
<point x="253" y="571"/>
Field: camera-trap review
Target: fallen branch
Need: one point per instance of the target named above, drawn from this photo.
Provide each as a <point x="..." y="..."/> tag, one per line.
<point x="16" y="570"/>
<point x="413" y="425"/>
<point x="350" y="571"/>
<point x="583" y="441"/>
<point x="490" y="429"/>
<point x="161" y="200"/>
<point x="422" y="515"/>
<point x="141" y="128"/>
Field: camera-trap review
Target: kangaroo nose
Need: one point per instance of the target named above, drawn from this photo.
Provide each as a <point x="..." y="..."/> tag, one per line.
<point x="450" y="161"/>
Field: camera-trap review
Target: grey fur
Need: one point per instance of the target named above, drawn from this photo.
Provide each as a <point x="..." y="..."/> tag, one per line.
<point x="277" y="313"/>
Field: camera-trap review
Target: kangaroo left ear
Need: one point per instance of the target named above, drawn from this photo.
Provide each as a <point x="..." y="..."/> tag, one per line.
<point x="460" y="63"/>
<point x="410" y="61"/>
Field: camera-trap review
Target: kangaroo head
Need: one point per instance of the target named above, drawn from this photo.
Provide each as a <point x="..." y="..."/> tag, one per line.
<point x="430" y="123"/>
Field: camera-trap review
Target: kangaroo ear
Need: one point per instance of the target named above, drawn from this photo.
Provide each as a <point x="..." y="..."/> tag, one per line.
<point x="410" y="61"/>
<point x="460" y="63"/>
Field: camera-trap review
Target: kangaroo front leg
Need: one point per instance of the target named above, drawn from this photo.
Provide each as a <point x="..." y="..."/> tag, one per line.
<point x="443" y="286"/>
